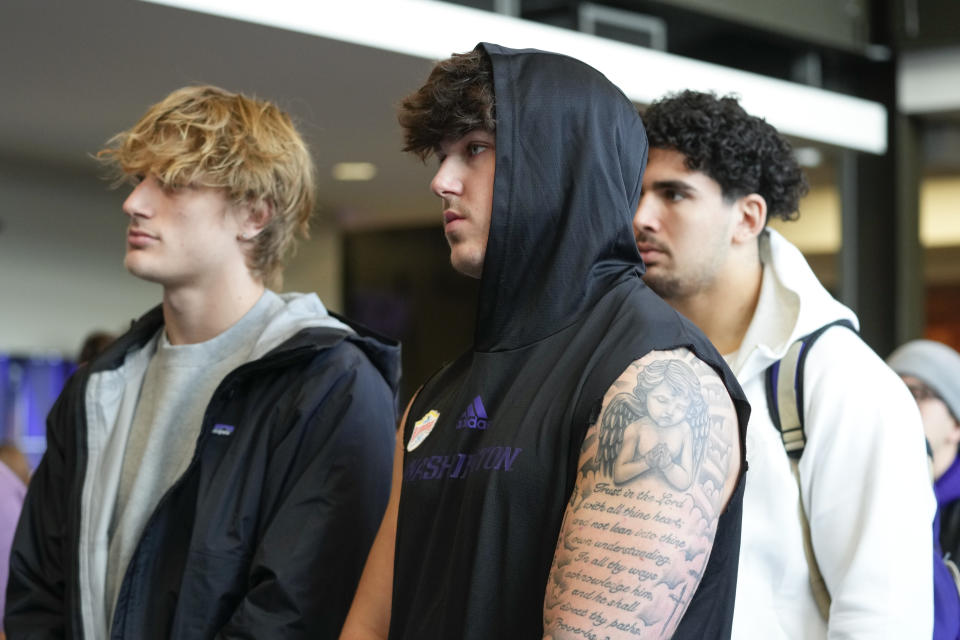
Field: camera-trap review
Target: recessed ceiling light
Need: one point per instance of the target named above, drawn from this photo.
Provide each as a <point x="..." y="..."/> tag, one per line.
<point x="354" y="171"/>
<point x="808" y="156"/>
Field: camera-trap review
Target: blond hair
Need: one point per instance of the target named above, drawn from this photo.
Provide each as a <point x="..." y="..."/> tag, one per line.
<point x="207" y="136"/>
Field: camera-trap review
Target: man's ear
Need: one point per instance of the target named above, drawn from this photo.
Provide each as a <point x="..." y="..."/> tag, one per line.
<point x="255" y="216"/>
<point x="752" y="211"/>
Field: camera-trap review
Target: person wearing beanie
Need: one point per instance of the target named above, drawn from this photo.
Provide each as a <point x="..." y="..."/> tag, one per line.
<point x="931" y="371"/>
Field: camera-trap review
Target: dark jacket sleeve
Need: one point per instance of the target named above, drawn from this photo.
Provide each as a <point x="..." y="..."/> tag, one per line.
<point x="36" y="591"/>
<point x="328" y="486"/>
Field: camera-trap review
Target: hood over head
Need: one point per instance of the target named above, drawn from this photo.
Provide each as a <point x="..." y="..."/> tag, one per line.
<point x="303" y="318"/>
<point x="571" y="151"/>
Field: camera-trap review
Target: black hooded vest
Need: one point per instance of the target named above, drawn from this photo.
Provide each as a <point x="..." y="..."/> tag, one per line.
<point x="493" y="439"/>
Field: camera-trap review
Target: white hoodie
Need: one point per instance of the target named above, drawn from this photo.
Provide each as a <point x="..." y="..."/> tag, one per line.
<point x="865" y="482"/>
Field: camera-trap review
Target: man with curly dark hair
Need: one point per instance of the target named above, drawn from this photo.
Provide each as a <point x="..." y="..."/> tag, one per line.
<point x="505" y="518"/>
<point x="715" y="176"/>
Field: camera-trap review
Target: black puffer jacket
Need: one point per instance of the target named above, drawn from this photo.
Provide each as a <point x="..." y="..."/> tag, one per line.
<point x="264" y="535"/>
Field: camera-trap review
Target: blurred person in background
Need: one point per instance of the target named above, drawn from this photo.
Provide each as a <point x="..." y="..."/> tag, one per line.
<point x="836" y="539"/>
<point x="221" y="468"/>
<point x="931" y="370"/>
<point x="13" y="457"/>
<point x="14" y="475"/>
<point x="93" y="345"/>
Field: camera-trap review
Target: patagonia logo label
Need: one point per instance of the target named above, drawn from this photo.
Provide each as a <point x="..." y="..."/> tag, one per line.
<point x="222" y="429"/>
<point x="422" y="428"/>
<point x="474" y="417"/>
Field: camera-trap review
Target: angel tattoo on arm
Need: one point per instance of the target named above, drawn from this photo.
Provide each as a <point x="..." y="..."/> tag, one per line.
<point x="660" y="427"/>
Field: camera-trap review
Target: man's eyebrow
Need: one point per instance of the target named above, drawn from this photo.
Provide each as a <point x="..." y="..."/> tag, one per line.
<point x="675" y="185"/>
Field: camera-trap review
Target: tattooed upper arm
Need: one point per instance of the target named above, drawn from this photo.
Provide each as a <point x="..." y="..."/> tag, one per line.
<point x="655" y="472"/>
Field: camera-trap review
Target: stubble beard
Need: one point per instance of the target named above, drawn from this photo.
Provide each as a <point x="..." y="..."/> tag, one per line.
<point x="664" y="286"/>
<point x="677" y="285"/>
<point x="676" y="289"/>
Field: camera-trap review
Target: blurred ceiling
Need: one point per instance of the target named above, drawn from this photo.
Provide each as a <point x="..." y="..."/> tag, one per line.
<point x="74" y="73"/>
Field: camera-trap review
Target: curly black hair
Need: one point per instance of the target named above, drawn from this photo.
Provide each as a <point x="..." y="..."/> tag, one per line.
<point x="742" y="153"/>
<point x="457" y="98"/>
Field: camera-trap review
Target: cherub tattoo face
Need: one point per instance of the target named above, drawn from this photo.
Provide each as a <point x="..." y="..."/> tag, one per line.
<point x="666" y="405"/>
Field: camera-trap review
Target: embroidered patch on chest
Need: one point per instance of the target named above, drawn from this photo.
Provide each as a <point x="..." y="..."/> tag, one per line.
<point x="422" y="428"/>
<point x="222" y="429"/>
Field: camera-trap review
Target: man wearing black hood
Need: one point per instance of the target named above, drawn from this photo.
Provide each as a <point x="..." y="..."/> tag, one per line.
<point x="578" y="473"/>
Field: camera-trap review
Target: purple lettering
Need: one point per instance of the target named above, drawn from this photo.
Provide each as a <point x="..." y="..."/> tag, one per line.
<point x="507" y="459"/>
<point x="492" y="457"/>
<point x="414" y="469"/>
<point x="446" y="462"/>
<point x="461" y="465"/>
<point x="473" y="463"/>
<point x="431" y="465"/>
<point x="456" y="472"/>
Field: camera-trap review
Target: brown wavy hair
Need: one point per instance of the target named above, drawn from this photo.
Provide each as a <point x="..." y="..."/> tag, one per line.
<point x="457" y="98"/>
<point x="209" y="137"/>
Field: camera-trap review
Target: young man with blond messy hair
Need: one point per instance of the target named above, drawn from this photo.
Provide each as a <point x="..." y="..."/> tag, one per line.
<point x="221" y="469"/>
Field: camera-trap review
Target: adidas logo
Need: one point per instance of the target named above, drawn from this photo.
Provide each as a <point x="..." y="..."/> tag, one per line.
<point x="474" y="417"/>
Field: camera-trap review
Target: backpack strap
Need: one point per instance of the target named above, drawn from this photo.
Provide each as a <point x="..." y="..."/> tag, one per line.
<point x="784" y="386"/>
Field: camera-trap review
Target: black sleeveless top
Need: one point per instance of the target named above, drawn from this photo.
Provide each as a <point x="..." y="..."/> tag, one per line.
<point x="493" y="440"/>
<point x="484" y="492"/>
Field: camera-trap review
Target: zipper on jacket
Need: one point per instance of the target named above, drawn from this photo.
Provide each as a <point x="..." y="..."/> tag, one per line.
<point x="118" y="350"/>
<point x="222" y="394"/>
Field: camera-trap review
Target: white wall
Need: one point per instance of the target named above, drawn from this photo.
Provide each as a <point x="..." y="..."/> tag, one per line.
<point x="61" y="260"/>
<point x="318" y="265"/>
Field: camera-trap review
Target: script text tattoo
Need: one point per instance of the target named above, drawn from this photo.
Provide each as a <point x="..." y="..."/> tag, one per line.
<point x="639" y="526"/>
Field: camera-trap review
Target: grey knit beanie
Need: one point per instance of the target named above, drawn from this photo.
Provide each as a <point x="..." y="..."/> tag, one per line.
<point x="935" y="364"/>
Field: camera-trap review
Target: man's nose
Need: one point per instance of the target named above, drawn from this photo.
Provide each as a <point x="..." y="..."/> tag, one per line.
<point x="446" y="182"/>
<point x="137" y="203"/>
<point x="647" y="216"/>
